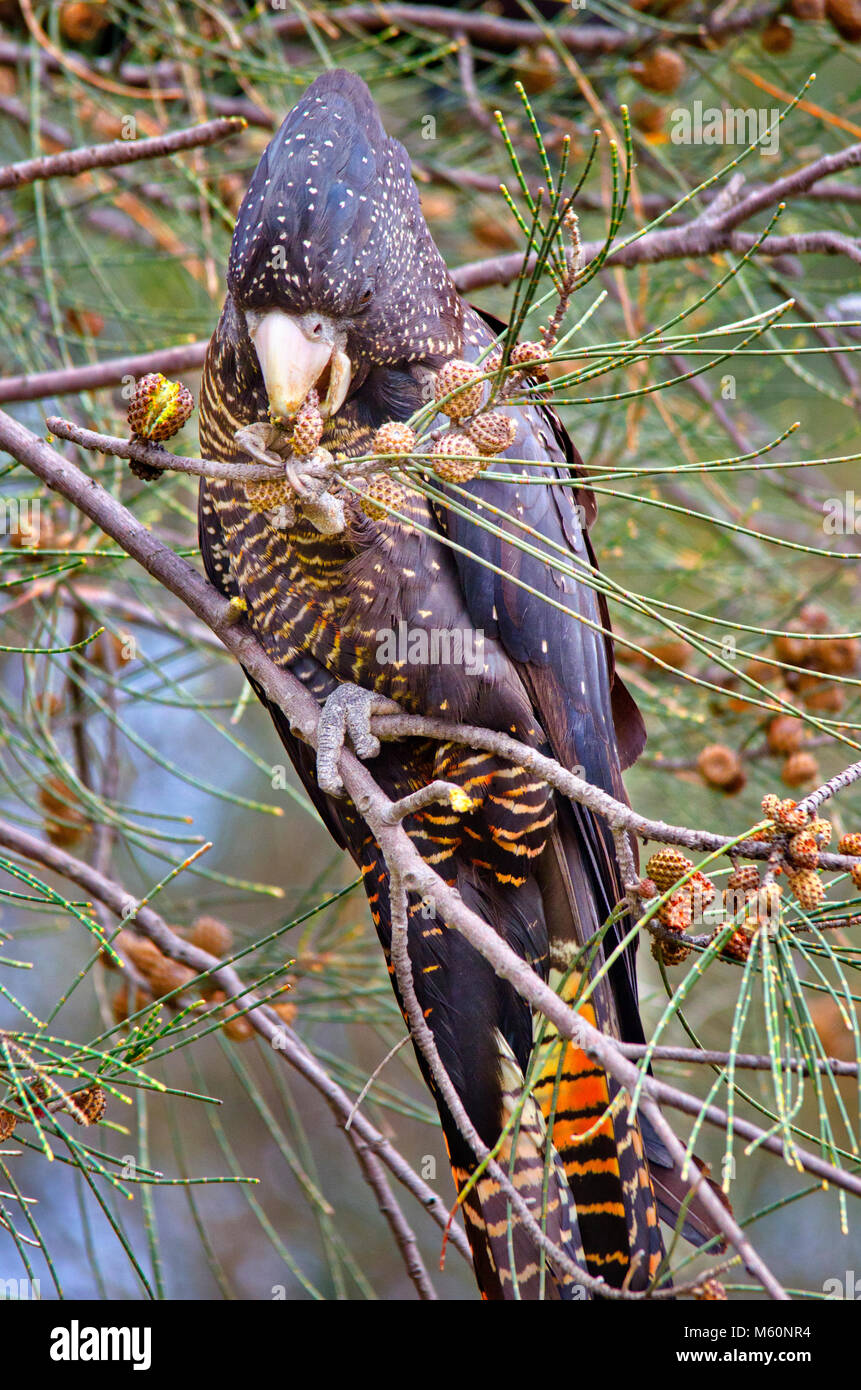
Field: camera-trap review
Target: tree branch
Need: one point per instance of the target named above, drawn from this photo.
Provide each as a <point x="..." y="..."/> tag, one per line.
<point x="33" y="386"/>
<point x="499" y="32"/>
<point x="156" y="457"/>
<point x="107" y="156"/>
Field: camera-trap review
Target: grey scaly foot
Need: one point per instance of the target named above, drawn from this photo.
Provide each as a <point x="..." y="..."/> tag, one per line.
<point x="265" y="442"/>
<point x="309" y="476"/>
<point x="347" y="712"/>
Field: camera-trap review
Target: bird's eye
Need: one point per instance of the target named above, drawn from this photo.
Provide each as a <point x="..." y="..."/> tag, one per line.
<point x="366" y="296"/>
<point x="316" y="329"/>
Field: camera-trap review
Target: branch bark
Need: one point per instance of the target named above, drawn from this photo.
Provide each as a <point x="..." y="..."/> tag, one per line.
<point x="114" y="152"/>
<point x="499" y="32"/>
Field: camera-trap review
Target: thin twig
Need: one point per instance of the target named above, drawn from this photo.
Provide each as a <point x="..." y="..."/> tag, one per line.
<point x="66" y="381"/>
<point x="157" y="457"/>
<point x="107" y="156"/>
<point x="500" y="32"/>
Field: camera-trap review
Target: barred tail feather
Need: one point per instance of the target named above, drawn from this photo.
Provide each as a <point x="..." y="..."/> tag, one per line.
<point x="601" y="1154"/>
<point x="508" y="1262"/>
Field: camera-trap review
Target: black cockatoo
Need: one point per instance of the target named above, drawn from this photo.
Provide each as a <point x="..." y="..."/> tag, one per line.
<point x="335" y="285"/>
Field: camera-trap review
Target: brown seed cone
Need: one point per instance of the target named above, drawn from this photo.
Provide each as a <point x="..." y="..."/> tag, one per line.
<point x="33" y="532"/>
<point x="790" y="816"/>
<point x="671" y="651"/>
<point x="785" y="813"/>
<point x="90" y="1105"/>
<point x="701" y="889"/>
<point x="528" y="356"/>
<point x="822" y="830"/>
<point x="8" y="1121"/>
<point x="836" y="655"/>
<point x="662" y="70"/>
<point x="65" y="836"/>
<point x="677" y="913"/>
<point x="744" y="879"/>
<point x="785" y="734"/>
<point x="237" y="1026"/>
<point x="382" y="491"/>
<point x="769" y="900"/>
<point x="807" y="887"/>
<point x="48" y="703"/>
<point x="455" y="459"/>
<point x="65" y="822"/>
<point x="168" y="975"/>
<point x="489" y="229"/>
<point x="81" y="23"/>
<point x="829" y="1020"/>
<point x="159" y="408"/>
<point x="738" y="900"/>
<point x="308" y="426"/>
<point x="670" y="952"/>
<point x="112" y="649"/>
<point x="143" y="953"/>
<point x="647" y="116"/>
<point x="394" y="437"/>
<point x="536" y="66"/>
<point x="807" y="9"/>
<point x="667" y="867"/>
<point x="737" y="946"/>
<point x="286" y="1012"/>
<point x="793" y="650"/>
<point x="850" y="843"/>
<point x="268" y="496"/>
<point x="84" y="322"/>
<point x="492" y="432"/>
<point x="493" y="361"/>
<point x="777" y="37"/>
<point x="814" y="618"/>
<point x="147" y="472"/>
<point x="212" y="935"/>
<point x="799" y="768"/>
<point x="710" y="1290"/>
<point x="855" y="875"/>
<point x="456" y="374"/>
<point x="804" y="850"/>
<point x="825" y="697"/>
<point x="721" y="767"/>
<point x="845" y="15"/>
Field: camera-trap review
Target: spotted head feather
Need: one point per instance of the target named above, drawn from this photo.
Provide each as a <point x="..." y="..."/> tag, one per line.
<point x="331" y="223"/>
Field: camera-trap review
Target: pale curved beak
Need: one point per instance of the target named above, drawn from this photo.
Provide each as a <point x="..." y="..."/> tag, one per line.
<point x="293" y="354"/>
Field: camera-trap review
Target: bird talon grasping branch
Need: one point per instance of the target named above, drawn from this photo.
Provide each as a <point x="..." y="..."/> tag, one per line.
<point x="348" y="711"/>
<point x="308" y="477"/>
<point x="261" y="440"/>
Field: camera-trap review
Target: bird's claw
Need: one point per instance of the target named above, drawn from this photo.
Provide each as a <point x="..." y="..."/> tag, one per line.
<point x="308" y="477"/>
<point x="347" y="712"/>
<point x="262" y="440"/>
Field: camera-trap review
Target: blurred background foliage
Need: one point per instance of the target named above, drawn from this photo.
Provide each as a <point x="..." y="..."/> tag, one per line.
<point x="141" y="745"/>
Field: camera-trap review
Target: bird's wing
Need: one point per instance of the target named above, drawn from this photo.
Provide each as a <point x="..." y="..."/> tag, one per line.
<point x="554" y="627"/>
